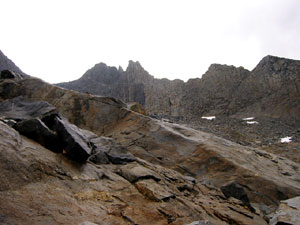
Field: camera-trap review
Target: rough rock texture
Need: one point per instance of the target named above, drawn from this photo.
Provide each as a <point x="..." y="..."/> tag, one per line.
<point x="270" y="93"/>
<point x="287" y="213"/>
<point x="105" y="150"/>
<point x="125" y="194"/>
<point x="20" y="108"/>
<point x="7" y="64"/>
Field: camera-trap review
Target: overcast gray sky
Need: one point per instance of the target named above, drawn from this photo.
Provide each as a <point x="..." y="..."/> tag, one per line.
<point x="58" y="40"/>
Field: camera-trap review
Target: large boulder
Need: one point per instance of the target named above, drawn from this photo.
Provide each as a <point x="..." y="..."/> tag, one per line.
<point x="38" y="131"/>
<point x="75" y="143"/>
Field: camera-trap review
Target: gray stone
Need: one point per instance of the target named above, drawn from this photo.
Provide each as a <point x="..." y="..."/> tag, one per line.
<point x="74" y="141"/>
<point x="105" y="150"/>
<point x="20" y="108"/>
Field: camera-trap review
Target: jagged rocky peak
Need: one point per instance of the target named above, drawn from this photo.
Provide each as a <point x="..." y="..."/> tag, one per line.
<point x="134" y="66"/>
<point x="270" y="65"/>
<point x="220" y="70"/>
<point x="137" y="73"/>
<point x="102" y="72"/>
<point x="120" y="69"/>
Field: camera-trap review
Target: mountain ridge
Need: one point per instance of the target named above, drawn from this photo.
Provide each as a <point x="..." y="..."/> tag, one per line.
<point x="223" y="89"/>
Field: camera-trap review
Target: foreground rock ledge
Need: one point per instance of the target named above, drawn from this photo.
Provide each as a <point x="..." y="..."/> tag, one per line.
<point x="162" y="148"/>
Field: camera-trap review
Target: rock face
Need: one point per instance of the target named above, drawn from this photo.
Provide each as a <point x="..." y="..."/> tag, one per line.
<point x="271" y="89"/>
<point x="172" y="176"/>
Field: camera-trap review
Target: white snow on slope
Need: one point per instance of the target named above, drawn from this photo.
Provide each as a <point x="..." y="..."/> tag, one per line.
<point x="286" y="139"/>
<point x="252" y="122"/>
<point x="248" y="118"/>
<point x="208" y="117"/>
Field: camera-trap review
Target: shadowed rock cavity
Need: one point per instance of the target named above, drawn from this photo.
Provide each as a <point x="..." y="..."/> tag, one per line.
<point x="9" y="74"/>
<point x="235" y="190"/>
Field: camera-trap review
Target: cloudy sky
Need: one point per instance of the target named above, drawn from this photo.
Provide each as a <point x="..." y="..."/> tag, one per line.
<point x="58" y="40"/>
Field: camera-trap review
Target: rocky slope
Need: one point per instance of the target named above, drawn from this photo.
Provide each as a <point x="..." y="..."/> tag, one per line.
<point x="179" y="175"/>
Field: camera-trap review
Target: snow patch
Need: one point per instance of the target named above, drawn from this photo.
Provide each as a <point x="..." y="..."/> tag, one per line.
<point x="208" y="117"/>
<point x="249" y="118"/>
<point x="252" y="122"/>
<point x="286" y="139"/>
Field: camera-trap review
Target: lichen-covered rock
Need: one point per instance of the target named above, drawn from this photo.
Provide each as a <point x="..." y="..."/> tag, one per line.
<point x="137" y="107"/>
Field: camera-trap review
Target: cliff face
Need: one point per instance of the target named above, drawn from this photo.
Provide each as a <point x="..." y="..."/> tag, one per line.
<point x="271" y="89"/>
